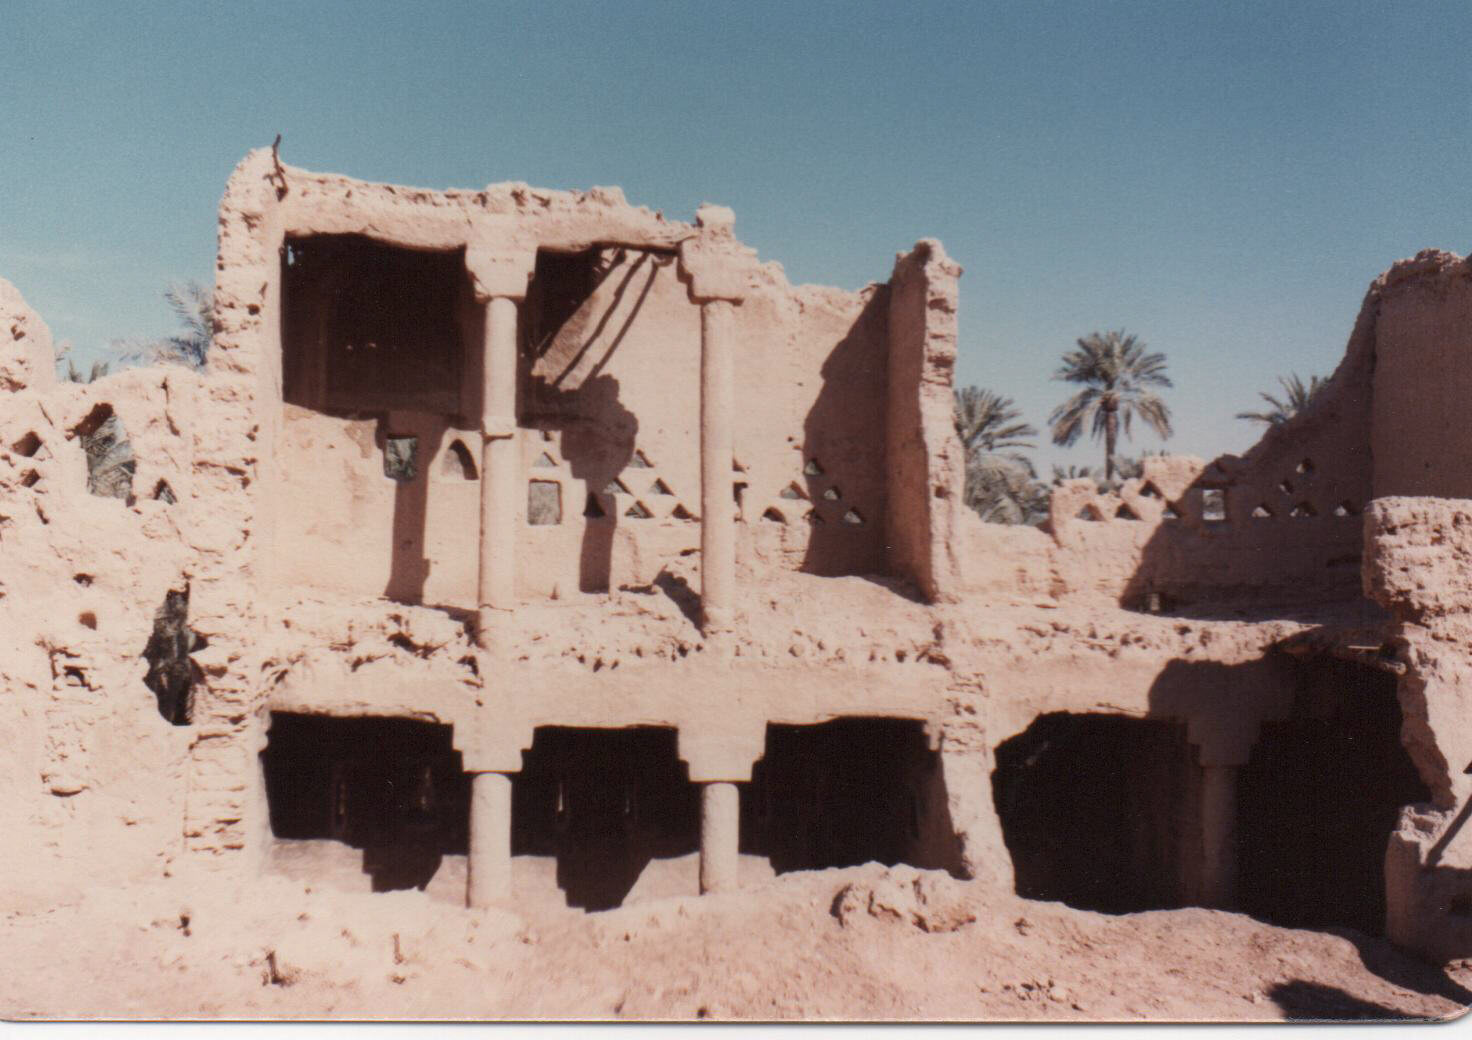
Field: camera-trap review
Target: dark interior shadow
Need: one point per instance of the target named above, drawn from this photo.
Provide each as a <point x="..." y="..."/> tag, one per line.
<point x="844" y="478"/>
<point x="1321" y="790"/>
<point x="393" y="787"/>
<point x="848" y="792"/>
<point x="401" y="866"/>
<point x="604" y="803"/>
<point x="1103" y="811"/>
<point x="1096" y="810"/>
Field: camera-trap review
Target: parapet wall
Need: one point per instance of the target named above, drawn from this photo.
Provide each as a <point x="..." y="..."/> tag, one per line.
<point x="1280" y="526"/>
<point x="1423" y="382"/>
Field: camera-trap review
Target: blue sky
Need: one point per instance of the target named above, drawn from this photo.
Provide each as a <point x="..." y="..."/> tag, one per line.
<point x="1222" y="179"/>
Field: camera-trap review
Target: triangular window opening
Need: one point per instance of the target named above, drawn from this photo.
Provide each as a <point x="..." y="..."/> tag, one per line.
<point x="659" y="487"/>
<point x="832" y="494"/>
<point x="1262" y="512"/>
<point x="1170" y="513"/>
<point x="1150" y="491"/>
<point x="544" y="461"/>
<point x="813" y="469"/>
<point x="681" y="513"/>
<point x="1124" y="512"/>
<point x="615" y="487"/>
<point x="639" y="461"/>
<point x="792" y="491"/>
<point x="593" y="511"/>
<point x="854" y="517"/>
<point x="775" y="515"/>
<point x="163" y="493"/>
<point x="639" y="511"/>
<point x="1345" y="508"/>
<point x="1088" y="513"/>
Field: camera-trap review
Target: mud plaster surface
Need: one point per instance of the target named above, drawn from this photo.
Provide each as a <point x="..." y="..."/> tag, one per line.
<point x="135" y="887"/>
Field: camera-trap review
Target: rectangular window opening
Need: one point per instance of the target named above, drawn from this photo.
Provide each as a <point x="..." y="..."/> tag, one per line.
<point x="401" y="458"/>
<point x="543" y="503"/>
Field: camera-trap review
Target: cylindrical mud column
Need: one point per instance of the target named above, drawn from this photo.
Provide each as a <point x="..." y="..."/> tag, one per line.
<point x="500" y="464"/>
<point x="717" y="508"/>
<point x="1219" y="836"/>
<point x="488" y="870"/>
<point x="720" y="837"/>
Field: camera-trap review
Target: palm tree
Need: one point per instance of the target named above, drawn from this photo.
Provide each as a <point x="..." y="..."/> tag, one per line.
<point x="1118" y="377"/>
<point x="1296" y="397"/>
<point x="193" y="306"/>
<point x="999" y="477"/>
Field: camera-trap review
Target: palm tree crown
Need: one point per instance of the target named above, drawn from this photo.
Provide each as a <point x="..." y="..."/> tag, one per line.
<point x="1296" y="397"/>
<point x="999" y="477"/>
<point x="988" y="422"/>
<point x="1119" y="377"/>
<point x="193" y="306"/>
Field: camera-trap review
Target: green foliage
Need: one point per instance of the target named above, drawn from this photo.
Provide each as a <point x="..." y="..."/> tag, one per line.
<point x="1296" y="397"/>
<point x="193" y="305"/>
<point x="1119" y="380"/>
<point x="1000" y="480"/>
<point x="74" y="374"/>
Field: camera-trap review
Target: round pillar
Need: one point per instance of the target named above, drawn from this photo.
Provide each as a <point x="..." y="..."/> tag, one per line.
<point x="1219" y="836"/>
<point x="720" y="837"/>
<point x="488" y="870"/>
<point x="717" y="509"/>
<point x="500" y="463"/>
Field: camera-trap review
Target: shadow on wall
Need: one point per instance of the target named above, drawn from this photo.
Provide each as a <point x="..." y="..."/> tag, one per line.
<point x="844" y="438"/>
<point x="407" y="455"/>
<point x="598" y="438"/>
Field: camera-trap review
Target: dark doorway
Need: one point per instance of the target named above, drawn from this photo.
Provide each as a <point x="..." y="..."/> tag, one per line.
<point x="847" y="792"/>
<point x="392" y="787"/>
<point x="1100" y="811"/>
<point x="604" y="802"/>
<point x="1319" y="798"/>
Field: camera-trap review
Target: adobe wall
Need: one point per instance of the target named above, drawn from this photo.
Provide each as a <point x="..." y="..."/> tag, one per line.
<point x="1422" y="379"/>
<point x="90" y="763"/>
<point x="926" y="462"/>
<point x="1417" y="567"/>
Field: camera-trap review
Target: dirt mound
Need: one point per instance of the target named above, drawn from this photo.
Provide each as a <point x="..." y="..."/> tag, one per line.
<point x="861" y="943"/>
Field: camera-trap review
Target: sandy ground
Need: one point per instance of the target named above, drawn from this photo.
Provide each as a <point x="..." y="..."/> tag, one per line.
<point x="861" y="943"/>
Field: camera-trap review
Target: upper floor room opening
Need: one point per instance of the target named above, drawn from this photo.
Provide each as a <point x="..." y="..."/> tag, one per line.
<point x="369" y="327"/>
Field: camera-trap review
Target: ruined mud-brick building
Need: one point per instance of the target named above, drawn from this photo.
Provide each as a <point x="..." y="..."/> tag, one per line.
<point x="518" y="526"/>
